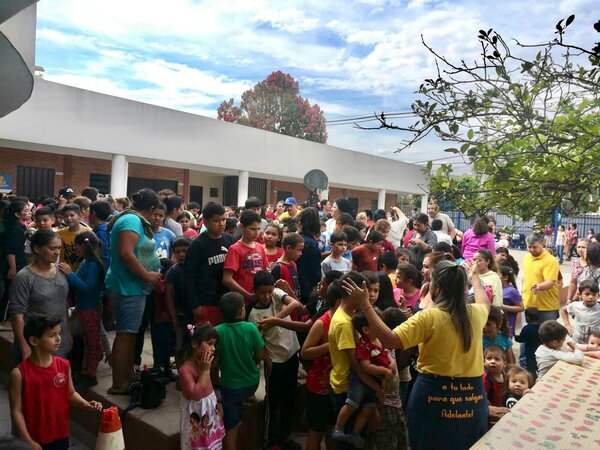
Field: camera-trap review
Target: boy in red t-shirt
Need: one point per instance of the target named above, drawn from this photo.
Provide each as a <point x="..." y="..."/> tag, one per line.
<point x="245" y="258"/>
<point x="375" y="361"/>
<point x="41" y="389"/>
<point x="494" y="360"/>
<point x="366" y="256"/>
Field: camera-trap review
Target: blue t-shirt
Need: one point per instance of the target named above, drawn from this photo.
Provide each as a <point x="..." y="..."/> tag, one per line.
<point x="163" y="238"/>
<point x="88" y="285"/>
<point x="118" y="278"/>
<point x="324" y="244"/>
<point x="501" y="340"/>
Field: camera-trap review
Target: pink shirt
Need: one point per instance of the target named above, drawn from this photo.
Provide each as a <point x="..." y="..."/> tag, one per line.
<point x="472" y="242"/>
<point x="188" y="376"/>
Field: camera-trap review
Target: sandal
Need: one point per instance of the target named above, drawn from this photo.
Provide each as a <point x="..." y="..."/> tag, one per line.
<point x="112" y="391"/>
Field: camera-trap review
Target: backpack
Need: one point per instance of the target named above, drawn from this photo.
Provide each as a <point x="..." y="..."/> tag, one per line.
<point x="152" y="388"/>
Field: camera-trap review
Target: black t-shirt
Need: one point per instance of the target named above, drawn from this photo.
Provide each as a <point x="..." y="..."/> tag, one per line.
<point x="204" y="263"/>
<point x="175" y="276"/>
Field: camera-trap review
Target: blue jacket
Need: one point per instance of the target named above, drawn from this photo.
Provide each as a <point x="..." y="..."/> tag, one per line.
<point x="104" y="236"/>
<point x="88" y="283"/>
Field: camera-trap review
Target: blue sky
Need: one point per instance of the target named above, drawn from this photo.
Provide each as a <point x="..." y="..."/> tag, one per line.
<point x="351" y="57"/>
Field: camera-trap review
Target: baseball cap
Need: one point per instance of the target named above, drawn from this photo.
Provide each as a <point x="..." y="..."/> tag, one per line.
<point x="290" y="201"/>
<point x="66" y="192"/>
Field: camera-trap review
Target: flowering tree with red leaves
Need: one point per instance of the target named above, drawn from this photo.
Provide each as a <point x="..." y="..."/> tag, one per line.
<point x="274" y="104"/>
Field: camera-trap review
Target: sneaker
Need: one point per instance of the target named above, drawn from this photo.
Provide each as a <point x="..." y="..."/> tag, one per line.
<point x="338" y="435"/>
<point x="356" y="440"/>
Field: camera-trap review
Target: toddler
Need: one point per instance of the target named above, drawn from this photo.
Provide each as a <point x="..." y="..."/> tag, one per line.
<point x="496" y="332"/>
<point x="530" y="339"/>
<point x="494" y="360"/>
<point x="553" y="336"/>
<point x="592" y="348"/>
<point x="517" y="382"/>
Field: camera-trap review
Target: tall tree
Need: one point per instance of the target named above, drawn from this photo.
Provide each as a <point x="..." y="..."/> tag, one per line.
<point x="274" y="104"/>
<point x="527" y="118"/>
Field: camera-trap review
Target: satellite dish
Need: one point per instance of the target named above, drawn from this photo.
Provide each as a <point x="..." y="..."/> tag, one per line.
<point x="315" y="181"/>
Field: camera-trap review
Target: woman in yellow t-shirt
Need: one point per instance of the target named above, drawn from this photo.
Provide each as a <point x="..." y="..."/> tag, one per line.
<point x="447" y="407"/>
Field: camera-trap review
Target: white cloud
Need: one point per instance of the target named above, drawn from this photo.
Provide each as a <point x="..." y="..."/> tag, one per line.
<point x="291" y="20"/>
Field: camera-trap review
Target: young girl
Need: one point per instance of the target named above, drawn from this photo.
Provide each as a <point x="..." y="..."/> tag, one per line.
<point x="201" y="419"/>
<point x="488" y="274"/>
<point x="496" y="332"/>
<point x="409" y="281"/>
<point x="272" y="242"/>
<point x="511" y="299"/>
<point x="88" y="283"/>
<point x="517" y="382"/>
<point x="184" y="220"/>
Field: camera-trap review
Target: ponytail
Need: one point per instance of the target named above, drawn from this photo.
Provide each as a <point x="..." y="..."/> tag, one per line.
<point x="195" y="333"/>
<point x="93" y="249"/>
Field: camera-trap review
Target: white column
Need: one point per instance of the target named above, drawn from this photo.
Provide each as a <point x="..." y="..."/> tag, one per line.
<point x="381" y="199"/>
<point x="243" y="187"/>
<point x="118" y="176"/>
<point x="424" y="199"/>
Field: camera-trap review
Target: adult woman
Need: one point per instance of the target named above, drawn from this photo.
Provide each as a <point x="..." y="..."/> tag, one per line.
<point x="422" y="241"/>
<point x="430" y="260"/>
<point x="309" y="264"/>
<point x="132" y="272"/>
<point x="447" y="407"/>
<point x="339" y="206"/>
<point x="39" y="288"/>
<point x="478" y="237"/>
<point x="577" y="267"/>
<point x="592" y="270"/>
<point x="488" y="272"/>
<point x="15" y="217"/>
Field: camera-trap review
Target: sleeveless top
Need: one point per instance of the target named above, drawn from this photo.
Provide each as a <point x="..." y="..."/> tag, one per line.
<point x="47" y="386"/>
<point x="317" y="379"/>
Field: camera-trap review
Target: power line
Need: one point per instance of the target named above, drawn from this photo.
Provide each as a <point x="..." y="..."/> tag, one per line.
<point x="369" y="118"/>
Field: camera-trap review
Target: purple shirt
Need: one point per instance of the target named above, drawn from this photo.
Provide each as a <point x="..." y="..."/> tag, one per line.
<point x="472" y="242"/>
<point x="511" y="297"/>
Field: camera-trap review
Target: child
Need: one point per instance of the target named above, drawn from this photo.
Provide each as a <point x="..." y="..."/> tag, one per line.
<point x="197" y="394"/>
<point x="383" y="226"/>
<point x="388" y="263"/>
<point x="44" y="220"/>
<point x="175" y="293"/>
<point x="391" y="433"/>
<point x="68" y="254"/>
<point x="403" y="255"/>
<point x="494" y="360"/>
<point x="285" y="268"/>
<point x="592" y="348"/>
<point x="163" y="237"/>
<point x="240" y="349"/>
<point x="517" y="382"/>
<point x="184" y="220"/>
<point x="231" y="224"/>
<point x="530" y="339"/>
<point x="375" y="361"/>
<point x="272" y="243"/>
<point x="409" y="281"/>
<point x="41" y="389"/>
<point x="496" y="332"/>
<point x="365" y="256"/>
<point x="335" y="261"/>
<point x="319" y="410"/>
<point x="342" y="348"/>
<point x="511" y="299"/>
<point x="88" y="283"/>
<point x="561" y="239"/>
<point x="553" y="336"/>
<point x="586" y="312"/>
<point x="100" y="211"/>
<point x="282" y="347"/>
<point x="354" y="240"/>
<point x="245" y="258"/>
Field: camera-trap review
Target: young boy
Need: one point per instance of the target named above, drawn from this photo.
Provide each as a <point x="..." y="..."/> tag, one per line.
<point x="100" y="211"/>
<point x="365" y="256"/>
<point x="73" y="226"/>
<point x="335" y="261"/>
<point x="383" y="226"/>
<point x="586" y="312"/>
<point x="531" y="339"/>
<point x="44" y="220"/>
<point x="240" y="349"/>
<point x="163" y="237"/>
<point x="375" y="362"/>
<point x="436" y="227"/>
<point x="41" y="389"/>
<point x="553" y="335"/>
<point x="354" y="240"/>
<point x="285" y="268"/>
<point x="592" y="348"/>
<point x="494" y="360"/>
<point x="388" y="263"/>
<point x="245" y="258"/>
<point x="344" y="220"/>
<point x="282" y="347"/>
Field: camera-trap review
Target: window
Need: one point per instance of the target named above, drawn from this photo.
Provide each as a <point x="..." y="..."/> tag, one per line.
<point x="373" y="205"/>
<point x="354" y="204"/>
<point x="100" y="182"/>
<point x="35" y="183"/>
<point x="214" y="192"/>
<point x="282" y="195"/>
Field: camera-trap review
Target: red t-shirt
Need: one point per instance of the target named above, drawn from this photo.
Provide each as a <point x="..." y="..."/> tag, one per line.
<point x="273" y="258"/>
<point x="493" y="390"/>
<point x="378" y="356"/>
<point x="317" y="378"/>
<point x="387" y="246"/>
<point x="245" y="261"/>
<point x="45" y="399"/>
<point x="365" y="259"/>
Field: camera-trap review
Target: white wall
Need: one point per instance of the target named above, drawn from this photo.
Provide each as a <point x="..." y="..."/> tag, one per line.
<point x="20" y="31"/>
<point x="207" y="181"/>
<point x="63" y="116"/>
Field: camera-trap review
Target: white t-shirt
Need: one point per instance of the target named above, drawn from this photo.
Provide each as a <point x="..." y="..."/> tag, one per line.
<point x="586" y="319"/>
<point x="546" y="358"/>
<point x="397" y="228"/>
<point x="281" y="344"/>
<point x="443" y="237"/>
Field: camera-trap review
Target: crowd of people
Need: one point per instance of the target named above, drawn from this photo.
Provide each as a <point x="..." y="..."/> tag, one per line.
<point x="401" y="328"/>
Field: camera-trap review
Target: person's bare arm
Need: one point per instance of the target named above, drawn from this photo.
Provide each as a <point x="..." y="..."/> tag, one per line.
<point x="18" y="323"/>
<point x="12" y="266"/>
<point x="572" y="292"/>
<point x="77" y="400"/>
<point x="360" y="373"/>
<point x="513" y="308"/>
<point x="372" y="369"/>
<point x="170" y="300"/>
<point x="233" y="285"/>
<point x="565" y="317"/>
<point x="316" y="343"/>
<point x="510" y="356"/>
<point x="262" y="355"/>
<point x="127" y="242"/>
<point x="268" y="322"/>
<point x="15" y="393"/>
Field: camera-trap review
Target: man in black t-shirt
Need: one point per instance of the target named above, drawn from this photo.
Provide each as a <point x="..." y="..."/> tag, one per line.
<point x="204" y="263"/>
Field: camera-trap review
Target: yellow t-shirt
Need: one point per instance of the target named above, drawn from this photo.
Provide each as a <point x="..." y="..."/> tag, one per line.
<point x="341" y="337"/>
<point x="440" y="344"/>
<point x="67" y="250"/>
<point x="491" y="278"/>
<point x="286" y="215"/>
<point x="535" y="271"/>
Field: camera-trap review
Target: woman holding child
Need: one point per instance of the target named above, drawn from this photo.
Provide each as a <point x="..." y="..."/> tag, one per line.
<point x="447" y="407"/>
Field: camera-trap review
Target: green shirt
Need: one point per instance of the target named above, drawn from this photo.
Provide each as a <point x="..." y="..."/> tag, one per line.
<point x="238" y="342"/>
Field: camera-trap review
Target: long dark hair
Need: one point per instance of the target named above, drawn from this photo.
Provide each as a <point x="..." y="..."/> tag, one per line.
<point x="15" y="207"/>
<point x="497" y="316"/>
<point x="93" y="249"/>
<point x="385" y="299"/>
<point x="198" y="334"/>
<point x="41" y="238"/>
<point x="451" y="281"/>
<point x="310" y="222"/>
<point x="512" y="262"/>
<point x="506" y="270"/>
<point x="593" y="254"/>
<point x="491" y="262"/>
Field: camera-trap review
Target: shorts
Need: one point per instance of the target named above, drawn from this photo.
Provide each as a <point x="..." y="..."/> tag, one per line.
<point x="232" y="404"/>
<point x="319" y="412"/>
<point x="59" y="444"/>
<point x="129" y="310"/>
<point x="360" y="394"/>
<point x="210" y="314"/>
